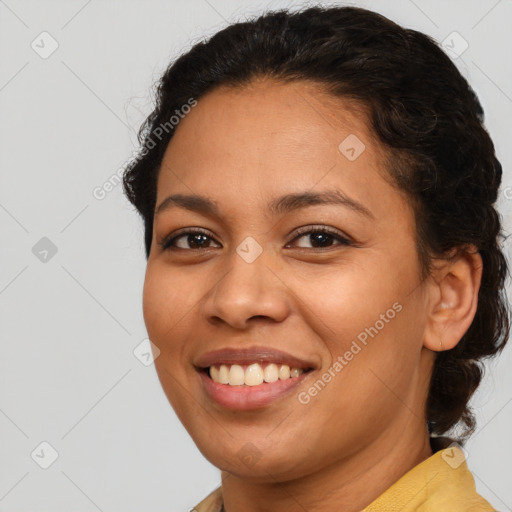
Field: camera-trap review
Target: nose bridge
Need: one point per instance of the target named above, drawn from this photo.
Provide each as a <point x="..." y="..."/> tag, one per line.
<point x="247" y="288"/>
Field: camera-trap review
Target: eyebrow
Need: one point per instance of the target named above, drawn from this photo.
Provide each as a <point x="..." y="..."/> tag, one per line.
<point x="278" y="206"/>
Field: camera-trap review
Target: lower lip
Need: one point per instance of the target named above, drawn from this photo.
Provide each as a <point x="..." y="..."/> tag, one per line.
<point x="243" y="398"/>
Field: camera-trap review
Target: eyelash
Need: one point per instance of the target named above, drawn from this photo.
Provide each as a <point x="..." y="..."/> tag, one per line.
<point x="166" y="244"/>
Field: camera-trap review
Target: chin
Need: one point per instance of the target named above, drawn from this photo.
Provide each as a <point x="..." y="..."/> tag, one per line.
<point x="258" y="465"/>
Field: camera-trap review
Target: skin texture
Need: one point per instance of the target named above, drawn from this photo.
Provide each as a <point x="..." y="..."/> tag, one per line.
<point x="367" y="427"/>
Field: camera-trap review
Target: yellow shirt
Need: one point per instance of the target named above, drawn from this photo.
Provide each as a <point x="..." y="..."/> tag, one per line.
<point x="441" y="483"/>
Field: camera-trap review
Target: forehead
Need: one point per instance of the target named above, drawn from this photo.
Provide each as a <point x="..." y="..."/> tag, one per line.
<point x="269" y="115"/>
<point x="270" y="137"/>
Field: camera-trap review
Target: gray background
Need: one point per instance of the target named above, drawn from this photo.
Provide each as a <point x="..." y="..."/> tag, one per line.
<point x="70" y="321"/>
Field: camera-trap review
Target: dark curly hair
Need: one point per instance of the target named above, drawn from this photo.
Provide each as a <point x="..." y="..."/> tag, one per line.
<point x="424" y="113"/>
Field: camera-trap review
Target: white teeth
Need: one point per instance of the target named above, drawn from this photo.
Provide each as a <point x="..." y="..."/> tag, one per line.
<point x="253" y="375"/>
<point x="236" y="375"/>
<point x="284" y="372"/>
<point x="215" y="373"/>
<point x="223" y="374"/>
<point x="271" y="373"/>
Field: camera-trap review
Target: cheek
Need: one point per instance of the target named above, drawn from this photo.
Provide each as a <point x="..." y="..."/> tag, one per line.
<point x="153" y="303"/>
<point x="345" y="300"/>
<point x="165" y="307"/>
<point x="165" y="310"/>
<point x="365" y="386"/>
<point x="367" y="316"/>
<point x="380" y="344"/>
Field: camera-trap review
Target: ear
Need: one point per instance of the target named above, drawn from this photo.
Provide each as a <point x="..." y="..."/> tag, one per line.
<point x="452" y="299"/>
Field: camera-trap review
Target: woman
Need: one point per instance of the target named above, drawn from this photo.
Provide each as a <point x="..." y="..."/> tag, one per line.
<point x="324" y="272"/>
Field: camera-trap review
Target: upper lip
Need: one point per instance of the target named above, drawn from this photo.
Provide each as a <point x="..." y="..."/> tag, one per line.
<point x="248" y="355"/>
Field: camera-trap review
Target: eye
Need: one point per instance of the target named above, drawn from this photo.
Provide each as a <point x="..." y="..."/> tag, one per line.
<point x="197" y="239"/>
<point x="320" y="236"/>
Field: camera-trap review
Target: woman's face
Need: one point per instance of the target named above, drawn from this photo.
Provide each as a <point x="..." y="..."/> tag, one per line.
<point x="251" y="292"/>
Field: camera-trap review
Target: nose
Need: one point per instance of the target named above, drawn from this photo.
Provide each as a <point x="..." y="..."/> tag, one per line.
<point x="248" y="293"/>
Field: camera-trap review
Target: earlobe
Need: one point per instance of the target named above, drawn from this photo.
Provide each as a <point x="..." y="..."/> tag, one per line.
<point x="452" y="300"/>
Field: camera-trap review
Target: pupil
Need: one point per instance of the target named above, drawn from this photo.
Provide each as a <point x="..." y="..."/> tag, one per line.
<point x="318" y="238"/>
<point x="197" y="237"/>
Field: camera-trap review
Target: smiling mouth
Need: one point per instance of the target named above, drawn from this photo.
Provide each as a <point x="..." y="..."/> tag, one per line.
<point x="253" y="374"/>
